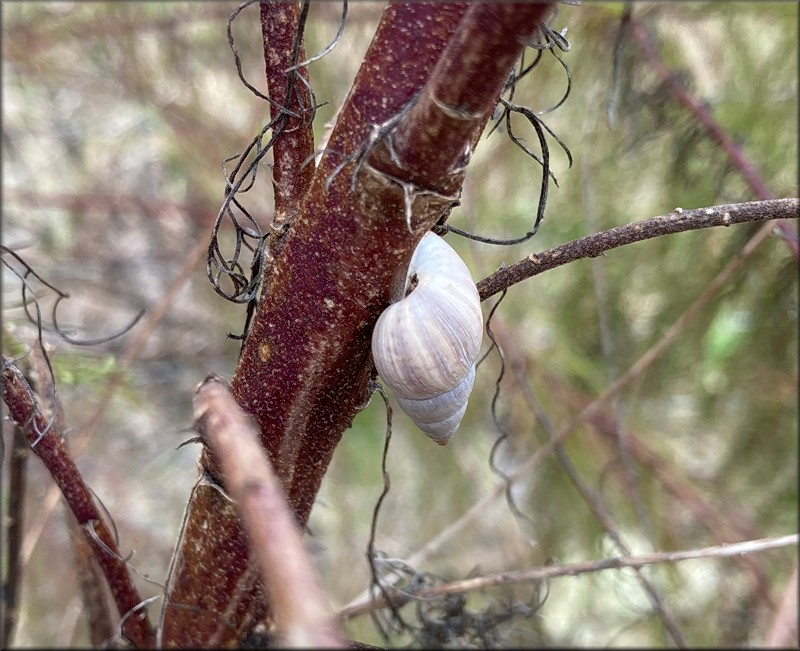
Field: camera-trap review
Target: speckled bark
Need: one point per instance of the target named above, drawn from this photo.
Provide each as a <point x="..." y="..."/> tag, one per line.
<point x="305" y="366"/>
<point x="213" y="589"/>
<point x="294" y="147"/>
<point x="435" y="139"/>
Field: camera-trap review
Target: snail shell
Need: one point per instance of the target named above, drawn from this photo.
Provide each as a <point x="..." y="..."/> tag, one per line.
<point x="425" y="345"/>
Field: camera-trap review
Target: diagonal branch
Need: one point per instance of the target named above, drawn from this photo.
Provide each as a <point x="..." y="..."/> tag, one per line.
<point x="678" y="221"/>
<point x="98" y="610"/>
<point x="47" y="443"/>
<point x="434" y="140"/>
<point x="703" y="115"/>
<point x="589" y="410"/>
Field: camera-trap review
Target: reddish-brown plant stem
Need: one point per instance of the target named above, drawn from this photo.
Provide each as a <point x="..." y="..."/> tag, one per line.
<point x="213" y="593"/>
<point x="293" y="147"/>
<point x="433" y="141"/>
<point x="305" y="366"/>
<point x="21" y="403"/>
<point x="703" y="115"/>
<point x="97" y="608"/>
<point x="13" y="517"/>
<point x="304" y="369"/>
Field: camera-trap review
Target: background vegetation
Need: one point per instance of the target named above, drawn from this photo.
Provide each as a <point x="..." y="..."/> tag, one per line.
<point x="116" y="119"/>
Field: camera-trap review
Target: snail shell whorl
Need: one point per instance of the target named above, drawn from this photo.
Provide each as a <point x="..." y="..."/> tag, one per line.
<point x="425" y="345"/>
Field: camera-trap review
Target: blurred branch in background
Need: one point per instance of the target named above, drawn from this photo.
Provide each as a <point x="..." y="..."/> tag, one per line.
<point x="703" y="115"/>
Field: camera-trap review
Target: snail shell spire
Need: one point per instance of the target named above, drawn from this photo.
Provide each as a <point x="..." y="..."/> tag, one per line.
<point x="425" y="345"/>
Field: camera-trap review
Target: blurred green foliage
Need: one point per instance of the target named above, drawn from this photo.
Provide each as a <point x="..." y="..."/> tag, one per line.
<point x="141" y="101"/>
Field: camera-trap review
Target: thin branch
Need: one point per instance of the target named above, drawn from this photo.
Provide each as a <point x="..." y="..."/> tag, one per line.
<point x="584" y="567"/>
<point x="714" y="515"/>
<point x="699" y="111"/>
<point x="651" y="355"/>
<point x="596" y="505"/>
<point x="678" y="221"/>
<point x="84" y="434"/>
<point x="97" y="609"/>
<point x="282" y="33"/>
<point x="48" y="445"/>
<point x="302" y="615"/>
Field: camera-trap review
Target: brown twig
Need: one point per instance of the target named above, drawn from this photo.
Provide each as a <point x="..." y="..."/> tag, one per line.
<point x="721" y="524"/>
<point x="678" y="221"/>
<point x="302" y="615"/>
<point x="640" y="366"/>
<point x="47" y="443"/>
<point x="576" y="569"/>
<point x="651" y="355"/>
<point x="96" y="607"/>
<point x="84" y="434"/>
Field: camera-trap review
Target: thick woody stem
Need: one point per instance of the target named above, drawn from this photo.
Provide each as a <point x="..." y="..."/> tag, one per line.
<point x="433" y="141"/>
<point x="21" y="403"/>
<point x="305" y="366"/>
<point x="293" y="147"/>
<point x="301" y="614"/>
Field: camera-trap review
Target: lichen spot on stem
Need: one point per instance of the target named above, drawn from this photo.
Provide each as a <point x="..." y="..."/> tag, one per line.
<point x="264" y="351"/>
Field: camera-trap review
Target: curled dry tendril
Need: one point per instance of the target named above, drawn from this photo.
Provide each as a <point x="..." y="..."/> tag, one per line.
<point x="518" y="513"/>
<point x="236" y="275"/>
<point x="548" y="40"/>
<point x="26" y="274"/>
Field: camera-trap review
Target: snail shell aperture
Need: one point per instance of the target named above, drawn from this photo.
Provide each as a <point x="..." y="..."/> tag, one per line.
<point x="425" y="345"/>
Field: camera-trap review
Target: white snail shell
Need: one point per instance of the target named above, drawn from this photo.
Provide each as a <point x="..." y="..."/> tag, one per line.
<point x="425" y="345"/>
